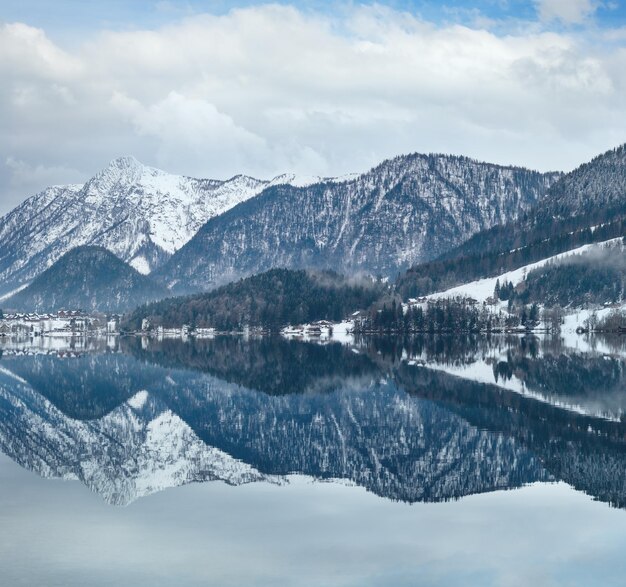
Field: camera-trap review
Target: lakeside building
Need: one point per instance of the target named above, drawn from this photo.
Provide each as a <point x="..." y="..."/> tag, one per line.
<point x="63" y="321"/>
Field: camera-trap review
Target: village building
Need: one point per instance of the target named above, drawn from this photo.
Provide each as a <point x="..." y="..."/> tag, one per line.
<point x="62" y="322"/>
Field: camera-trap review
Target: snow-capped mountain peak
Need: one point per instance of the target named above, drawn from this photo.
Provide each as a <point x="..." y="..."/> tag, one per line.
<point x="139" y="213"/>
<point x="120" y="171"/>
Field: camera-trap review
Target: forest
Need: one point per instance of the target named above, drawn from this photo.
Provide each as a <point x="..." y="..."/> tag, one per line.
<point x="270" y="300"/>
<point x="459" y="315"/>
<point x="508" y="247"/>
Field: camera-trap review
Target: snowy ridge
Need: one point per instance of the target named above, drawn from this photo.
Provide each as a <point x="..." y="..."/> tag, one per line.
<point x="139" y="213"/>
<point x="302" y="181"/>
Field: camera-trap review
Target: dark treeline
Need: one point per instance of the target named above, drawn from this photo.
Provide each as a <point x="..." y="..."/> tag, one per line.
<point x="572" y="284"/>
<point x="614" y="323"/>
<point x="441" y="316"/>
<point x="270" y="300"/>
<point x="270" y="364"/>
<point x="444" y="348"/>
<point x="566" y="374"/>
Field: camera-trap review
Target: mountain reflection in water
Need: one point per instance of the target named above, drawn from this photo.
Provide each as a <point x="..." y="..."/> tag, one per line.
<point x="425" y="419"/>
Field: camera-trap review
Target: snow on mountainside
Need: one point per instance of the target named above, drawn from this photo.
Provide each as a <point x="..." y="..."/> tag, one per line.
<point x="139" y="213"/>
<point x="405" y="210"/>
<point x="198" y="428"/>
<point x="481" y="289"/>
<point x="302" y="181"/>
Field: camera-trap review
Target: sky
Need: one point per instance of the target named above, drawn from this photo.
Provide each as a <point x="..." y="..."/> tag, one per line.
<point x="214" y="88"/>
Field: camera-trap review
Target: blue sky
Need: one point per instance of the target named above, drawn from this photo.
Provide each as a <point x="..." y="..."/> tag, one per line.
<point x="310" y="87"/>
<point x="66" y="18"/>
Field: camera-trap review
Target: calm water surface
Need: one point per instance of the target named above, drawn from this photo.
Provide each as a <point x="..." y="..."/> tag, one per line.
<point x="432" y="461"/>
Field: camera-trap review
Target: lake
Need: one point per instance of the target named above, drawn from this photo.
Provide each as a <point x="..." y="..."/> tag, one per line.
<point x="438" y="461"/>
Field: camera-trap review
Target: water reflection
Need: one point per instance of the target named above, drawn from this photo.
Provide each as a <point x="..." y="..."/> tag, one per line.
<point x="425" y="419"/>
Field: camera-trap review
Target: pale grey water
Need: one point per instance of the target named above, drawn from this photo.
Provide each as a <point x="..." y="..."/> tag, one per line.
<point x="304" y="533"/>
<point x="486" y="506"/>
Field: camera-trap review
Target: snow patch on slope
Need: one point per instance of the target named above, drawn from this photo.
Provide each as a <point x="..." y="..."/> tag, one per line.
<point x="6" y="296"/>
<point x="141" y="265"/>
<point x="139" y="400"/>
<point x="302" y="181"/>
<point x="482" y="289"/>
<point x="139" y="213"/>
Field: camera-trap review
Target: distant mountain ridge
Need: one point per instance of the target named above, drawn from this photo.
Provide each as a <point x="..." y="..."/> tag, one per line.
<point x="405" y="210"/>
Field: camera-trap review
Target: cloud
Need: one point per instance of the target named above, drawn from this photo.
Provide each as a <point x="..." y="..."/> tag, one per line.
<point x="27" y="51"/>
<point x="271" y="89"/>
<point x="566" y="11"/>
<point x="195" y="127"/>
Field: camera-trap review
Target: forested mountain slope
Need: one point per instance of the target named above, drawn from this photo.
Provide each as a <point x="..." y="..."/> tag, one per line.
<point x="269" y="300"/>
<point x="406" y="210"/>
<point x="87" y="278"/>
<point x="139" y="213"/>
<point x="585" y="206"/>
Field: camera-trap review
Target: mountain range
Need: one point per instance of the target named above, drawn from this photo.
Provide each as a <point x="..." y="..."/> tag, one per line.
<point x="241" y="411"/>
<point x="188" y="427"/>
<point x="140" y="214"/>
<point x="405" y="210"/>
<point x="427" y="221"/>
<point x="408" y="209"/>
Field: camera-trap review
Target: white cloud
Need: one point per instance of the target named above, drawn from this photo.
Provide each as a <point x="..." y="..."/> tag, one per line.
<point x="195" y="127"/>
<point x="27" y="51"/>
<point x="271" y="89"/>
<point x="567" y="11"/>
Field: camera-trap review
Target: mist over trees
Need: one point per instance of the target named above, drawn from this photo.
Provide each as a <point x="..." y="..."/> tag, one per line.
<point x="443" y="316"/>
<point x="500" y="252"/>
<point x="590" y="279"/>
